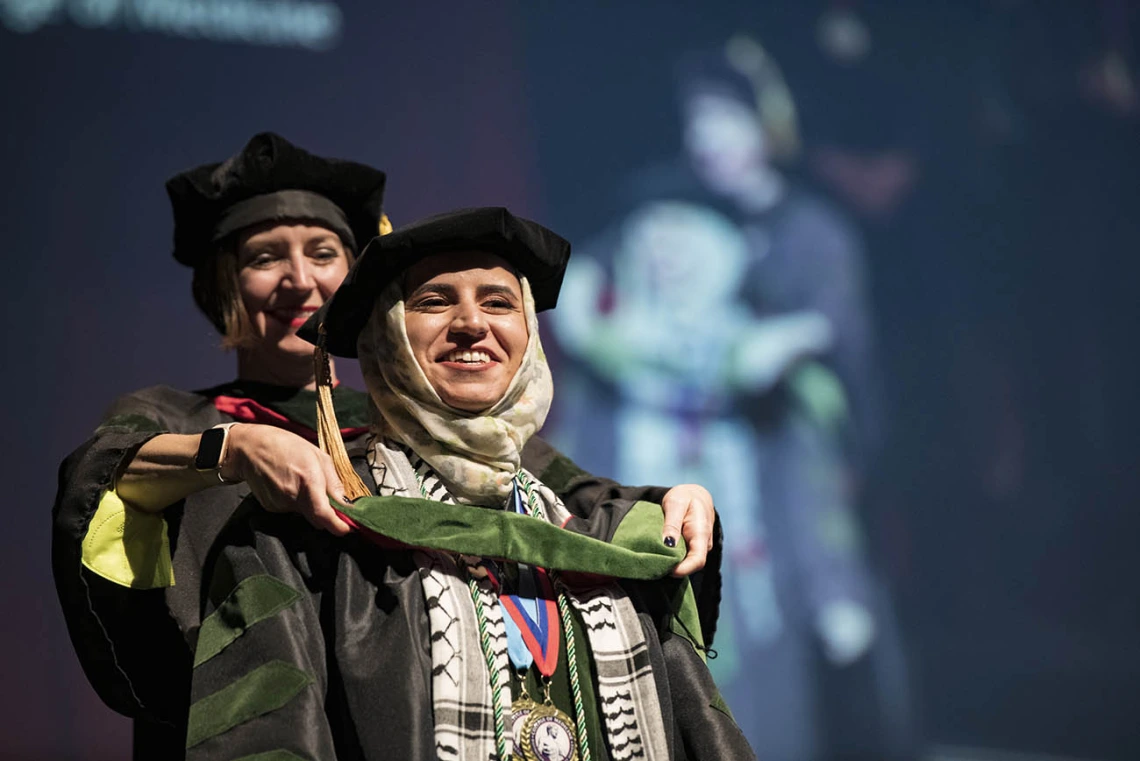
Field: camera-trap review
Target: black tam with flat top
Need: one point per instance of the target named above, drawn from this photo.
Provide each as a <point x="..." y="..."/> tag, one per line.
<point x="272" y="180"/>
<point x="538" y="253"/>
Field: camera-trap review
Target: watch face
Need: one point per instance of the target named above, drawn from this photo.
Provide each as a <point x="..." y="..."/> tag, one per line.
<point x="210" y="449"/>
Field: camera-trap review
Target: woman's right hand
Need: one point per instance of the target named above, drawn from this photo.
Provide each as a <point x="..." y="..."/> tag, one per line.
<point x="286" y="473"/>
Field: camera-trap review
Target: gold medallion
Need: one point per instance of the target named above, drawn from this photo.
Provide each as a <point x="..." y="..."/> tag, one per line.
<point x="548" y="735"/>
<point x="520" y="711"/>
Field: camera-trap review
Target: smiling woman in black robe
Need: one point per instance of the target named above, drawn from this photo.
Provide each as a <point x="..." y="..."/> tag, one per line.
<point x="270" y="233"/>
<point x="471" y="615"/>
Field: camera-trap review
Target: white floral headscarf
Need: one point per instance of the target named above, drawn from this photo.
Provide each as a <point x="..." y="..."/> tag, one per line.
<point x="475" y="453"/>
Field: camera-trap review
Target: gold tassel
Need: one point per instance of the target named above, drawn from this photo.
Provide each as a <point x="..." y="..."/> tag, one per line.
<point x="328" y="429"/>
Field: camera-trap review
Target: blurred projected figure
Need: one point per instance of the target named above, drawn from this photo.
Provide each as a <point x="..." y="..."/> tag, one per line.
<point x="726" y="313"/>
<point x="739" y="127"/>
<point x="680" y="344"/>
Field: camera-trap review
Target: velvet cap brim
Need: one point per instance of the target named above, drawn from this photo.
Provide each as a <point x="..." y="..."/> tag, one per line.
<point x="202" y="197"/>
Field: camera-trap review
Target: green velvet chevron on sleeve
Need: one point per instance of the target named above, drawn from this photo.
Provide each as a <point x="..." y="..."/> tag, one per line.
<point x="253" y="600"/>
<point x="266" y="688"/>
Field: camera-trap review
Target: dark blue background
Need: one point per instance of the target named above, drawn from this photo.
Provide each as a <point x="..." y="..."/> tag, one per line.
<point x="1004" y="291"/>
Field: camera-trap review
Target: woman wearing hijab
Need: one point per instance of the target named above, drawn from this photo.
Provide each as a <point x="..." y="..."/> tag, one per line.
<point x="270" y="234"/>
<point x="471" y="615"/>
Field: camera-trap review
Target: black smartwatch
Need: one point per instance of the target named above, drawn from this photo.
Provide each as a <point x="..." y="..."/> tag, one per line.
<point x="211" y="448"/>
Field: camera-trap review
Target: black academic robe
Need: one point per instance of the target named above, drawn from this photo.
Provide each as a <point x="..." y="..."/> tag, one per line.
<point x="318" y="647"/>
<point x="133" y="643"/>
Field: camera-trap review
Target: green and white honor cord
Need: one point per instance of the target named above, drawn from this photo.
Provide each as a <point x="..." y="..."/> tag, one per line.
<point x="502" y="743"/>
<point x="567" y="626"/>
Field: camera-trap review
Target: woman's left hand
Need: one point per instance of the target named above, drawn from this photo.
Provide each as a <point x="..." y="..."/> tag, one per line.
<point x="689" y="513"/>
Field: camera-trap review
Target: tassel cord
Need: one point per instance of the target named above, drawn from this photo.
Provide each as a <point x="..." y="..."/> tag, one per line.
<point x="328" y="429"/>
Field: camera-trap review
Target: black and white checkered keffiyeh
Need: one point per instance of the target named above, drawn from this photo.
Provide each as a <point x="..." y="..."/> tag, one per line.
<point x="461" y="684"/>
